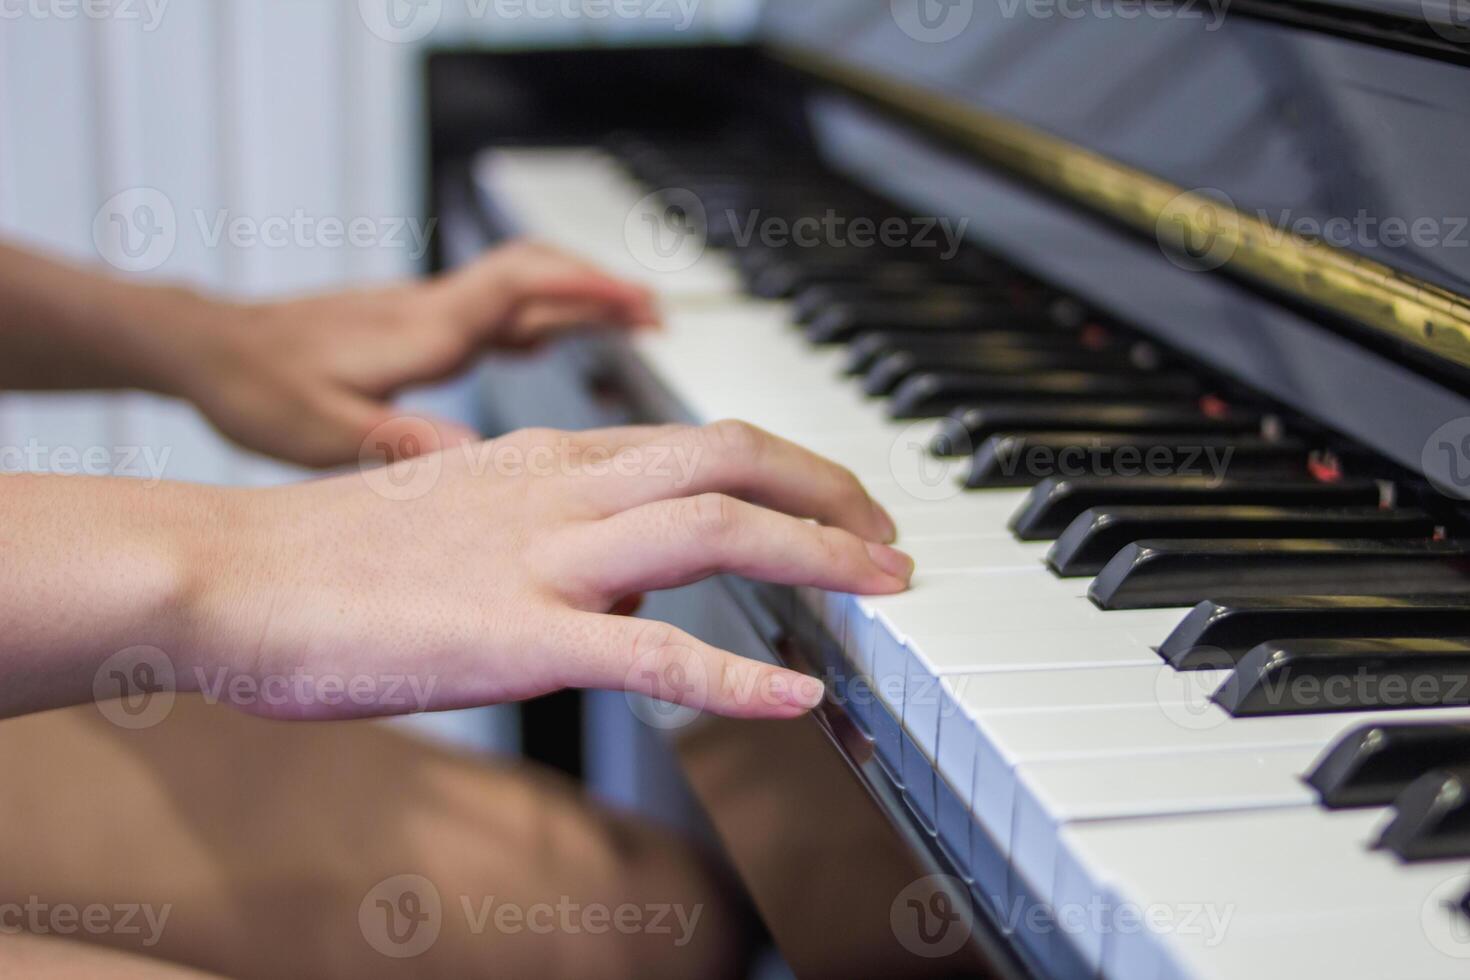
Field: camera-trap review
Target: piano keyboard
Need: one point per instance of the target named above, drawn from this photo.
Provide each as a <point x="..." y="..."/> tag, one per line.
<point x="1118" y="700"/>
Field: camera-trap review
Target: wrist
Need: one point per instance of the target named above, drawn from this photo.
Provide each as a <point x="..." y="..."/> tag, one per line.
<point x="114" y="569"/>
<point x="208" y="606"/>
<point x="187" y="341"/>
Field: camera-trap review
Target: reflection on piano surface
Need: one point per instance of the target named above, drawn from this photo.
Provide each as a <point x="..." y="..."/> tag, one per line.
<point x="1183" y="685"/>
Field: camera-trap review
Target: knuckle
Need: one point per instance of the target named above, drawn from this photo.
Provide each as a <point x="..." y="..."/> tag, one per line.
<point x="723" y="682"/>
<point x="839" y="549"/>
<point x="737" y="440"/>
<point x="651" y="638"/>
<point x="708" y="516"/>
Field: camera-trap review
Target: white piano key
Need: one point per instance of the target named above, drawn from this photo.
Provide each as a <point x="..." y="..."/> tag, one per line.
<point x="1177" y="726"/>
<point x="581" y="201"/>
<point x="965" y="513"/>
<point x="972" y="603"/>
<point x="928" y="503"/>
<point x="976" y="553"/>
<point x="1051" y="795"/>
<point x="1053" y="719"/>
<point x="940" y="740"/>
<point x="1282" y="893"/>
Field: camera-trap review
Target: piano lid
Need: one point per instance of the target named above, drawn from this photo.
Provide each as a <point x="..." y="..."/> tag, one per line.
<point x="1327" y="167"/>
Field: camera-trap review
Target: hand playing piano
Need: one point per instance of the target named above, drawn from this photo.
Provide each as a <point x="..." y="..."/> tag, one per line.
<point x="486" y="573"/>
<point x="308" y="380"/>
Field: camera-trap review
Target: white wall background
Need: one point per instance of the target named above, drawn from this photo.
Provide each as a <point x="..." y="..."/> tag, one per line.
<point x="252" y="109"/>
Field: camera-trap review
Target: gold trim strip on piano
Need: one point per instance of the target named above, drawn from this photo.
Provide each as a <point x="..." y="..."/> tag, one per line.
<point x="1368" y="292"/>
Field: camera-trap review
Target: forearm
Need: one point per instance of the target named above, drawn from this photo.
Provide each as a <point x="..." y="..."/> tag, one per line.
<point x="64" y="327"/>
<point x="89" y="567"/>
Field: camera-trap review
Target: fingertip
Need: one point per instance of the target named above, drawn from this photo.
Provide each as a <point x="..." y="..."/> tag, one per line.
<point x="804" y="692"/>
<point x="896" y="564"/>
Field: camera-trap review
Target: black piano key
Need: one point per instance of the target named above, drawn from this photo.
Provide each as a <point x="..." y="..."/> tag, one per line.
<point x="1431" y="818"/>
<point x="1157" y="574"/>
<point x="1023" y="460"/>
<point x="1055" y="502"/>
<point x="899" y="270"/>
<point x="843" y="321"/>
<point x="1314" y="677"/>
<point x="970" y="426"/>
<point x="868" y="348"/>
<point x="816" y="280"/>
<point x="1372" y="764"/>
<point x="818" y="291"/>
<point x="883" y="377"/>
<point x="813" y="290"/>
<point x="1098" y="534"/>
<point x="933" y="393"/>
<point x="1225" y="629"/>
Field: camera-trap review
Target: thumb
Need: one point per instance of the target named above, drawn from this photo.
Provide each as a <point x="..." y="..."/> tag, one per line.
<point x="485" y="295"/>
<point x="661" y="661"/>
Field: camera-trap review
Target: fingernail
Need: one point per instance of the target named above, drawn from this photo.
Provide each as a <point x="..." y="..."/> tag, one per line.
<point x="807" y="692"/>
<point x="892" y="561"/>
<point x="885" y="521"/>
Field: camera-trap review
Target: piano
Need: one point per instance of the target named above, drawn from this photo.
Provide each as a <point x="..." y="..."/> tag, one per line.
<point x="1150" y="324"/>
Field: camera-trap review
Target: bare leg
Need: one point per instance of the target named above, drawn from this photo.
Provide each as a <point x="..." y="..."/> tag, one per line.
<point x="39" y="958"/>
<point x="332" y="850"/>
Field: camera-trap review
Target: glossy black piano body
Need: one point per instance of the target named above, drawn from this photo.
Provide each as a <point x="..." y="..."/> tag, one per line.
<point x="1349" y="127"/>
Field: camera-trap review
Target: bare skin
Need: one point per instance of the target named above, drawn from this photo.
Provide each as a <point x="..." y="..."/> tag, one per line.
<point x="462" y="573"/>
<point x="265" y="848"/>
